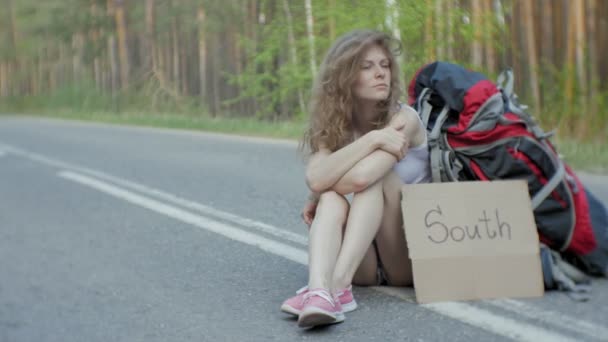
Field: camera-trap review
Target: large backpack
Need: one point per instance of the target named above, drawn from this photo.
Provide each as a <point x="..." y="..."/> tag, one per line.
<point x="478" y="131"/>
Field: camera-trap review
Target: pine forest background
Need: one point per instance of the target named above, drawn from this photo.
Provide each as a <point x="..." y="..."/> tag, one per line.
<point x="256" y="58"/>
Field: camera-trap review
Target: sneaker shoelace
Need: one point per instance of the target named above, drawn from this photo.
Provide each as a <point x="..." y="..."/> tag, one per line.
<point x="320" y="293"/>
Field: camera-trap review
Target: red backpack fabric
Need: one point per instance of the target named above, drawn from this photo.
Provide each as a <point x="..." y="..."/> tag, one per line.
<point x="478" y="131"/>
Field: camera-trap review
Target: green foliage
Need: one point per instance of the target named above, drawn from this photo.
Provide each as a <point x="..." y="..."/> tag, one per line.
<point x="270" y="81"/>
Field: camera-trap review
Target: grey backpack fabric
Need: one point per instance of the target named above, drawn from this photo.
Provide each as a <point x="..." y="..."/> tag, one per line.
<point x="560" y="275"/>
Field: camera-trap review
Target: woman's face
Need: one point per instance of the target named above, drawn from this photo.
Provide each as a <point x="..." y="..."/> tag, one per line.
<point x="374" y="79"/>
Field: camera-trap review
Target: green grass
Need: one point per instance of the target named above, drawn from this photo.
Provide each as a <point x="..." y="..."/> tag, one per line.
<point x="588" y="156"/>
<point x="585" y="156"/>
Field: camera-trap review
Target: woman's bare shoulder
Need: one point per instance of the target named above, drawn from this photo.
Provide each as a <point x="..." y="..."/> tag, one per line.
<point x="413" y="126"/>
<point x="405" y="114"/>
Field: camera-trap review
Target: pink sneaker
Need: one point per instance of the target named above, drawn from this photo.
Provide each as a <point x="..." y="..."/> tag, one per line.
<point x="320" y="308"/>
<point x="295" y="304"/>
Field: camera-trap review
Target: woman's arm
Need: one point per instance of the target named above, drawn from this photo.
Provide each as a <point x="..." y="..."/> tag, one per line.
<point x="366" y="172"/>
<point x="326" y="168"/>
<point x="413" y="126"/>
<point x="373" y="167"/>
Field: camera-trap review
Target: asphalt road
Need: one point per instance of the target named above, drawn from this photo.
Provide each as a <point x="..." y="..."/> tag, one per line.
<point x="112" y="233"/>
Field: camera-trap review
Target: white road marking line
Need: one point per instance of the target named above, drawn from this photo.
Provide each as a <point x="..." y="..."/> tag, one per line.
<point x="464" y="312"/>
<point x="504" y="326"/>
<point x="266" y="228"/>
<point x="551" y="317"/>
<point x="460" y="311"/>
<point x="228" y="231"/>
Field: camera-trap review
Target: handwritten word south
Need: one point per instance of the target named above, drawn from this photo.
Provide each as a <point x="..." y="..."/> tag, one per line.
<point x="485" y="227"/>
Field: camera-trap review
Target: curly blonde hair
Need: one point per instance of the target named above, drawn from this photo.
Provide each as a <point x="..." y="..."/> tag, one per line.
<point x="331" y="104"/>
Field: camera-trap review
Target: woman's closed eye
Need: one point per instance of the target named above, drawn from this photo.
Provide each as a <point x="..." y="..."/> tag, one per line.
<point x="370" y="65"/>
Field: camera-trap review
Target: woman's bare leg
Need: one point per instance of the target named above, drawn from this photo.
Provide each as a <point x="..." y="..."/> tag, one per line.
<point x="325" y="239"/>
<point x="390" y="240"/>
<point x="362" y="225"/>
<point x="367" y="272"/>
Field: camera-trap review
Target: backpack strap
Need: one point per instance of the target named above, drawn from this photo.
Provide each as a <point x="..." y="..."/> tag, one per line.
<point x="550" y="186"/>
<point x="505" y="83"/>
<point x="560" y="275"/>
<point x="424" y="106"/>
<point x="438" y="168"/>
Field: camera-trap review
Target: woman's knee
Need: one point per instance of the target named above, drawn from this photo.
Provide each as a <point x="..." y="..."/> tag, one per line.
<point x="391" y="186"/>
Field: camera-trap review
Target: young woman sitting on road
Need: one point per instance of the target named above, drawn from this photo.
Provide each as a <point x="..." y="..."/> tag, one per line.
<point x="362" y="141"/>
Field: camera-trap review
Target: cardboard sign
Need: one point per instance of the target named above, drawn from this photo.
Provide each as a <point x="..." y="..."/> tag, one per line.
<point x="472" y="240"/>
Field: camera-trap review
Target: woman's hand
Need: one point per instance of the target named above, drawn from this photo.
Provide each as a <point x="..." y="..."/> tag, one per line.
<point x="309" y="210"/>
<point x="392" y="139"/>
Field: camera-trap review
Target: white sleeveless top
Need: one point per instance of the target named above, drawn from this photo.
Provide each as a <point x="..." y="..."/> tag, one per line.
<point x="415" y="167"/>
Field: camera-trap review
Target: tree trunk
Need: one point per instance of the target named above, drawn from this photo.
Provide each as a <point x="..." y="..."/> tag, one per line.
<point x="439" y="26"/>
<point x="579" y="17"/>
<point x="123" y="48"/>
<point x="77" y="57"/>
<point x="449" y="30"/>
<point x="292" y="50"/>
<point x="3" y="79"/>
<point x="50" y="69"/>
<point x="477" y="22"/>
<point x="40" y="71"/>
<point x="392" y="24"/>
<point x="94" y="35"/>
<point x="202" y="54"/>
<point x="311" y="37"/>
<point x="488" y="41"/>
<point x="12" y="50"/>
<point x="61" y="69"/>
<point x="183" y="60"/>
<point x="581" y="112"/>
<point x="547" y="33"/>
<point x="160" y="53"/>
<point x="593" y="60"/>
<point x="150" y="37"/>
<point x="215" y="77"/>
<point x="253" y="31"/>
<point x="239" y="57"/>
<point x="528" y="24"/>
<point x="114" y="66"/>
<point x="97" y="74"/>
<point x="32" y="79"/>
<point x="332" y="19"/>
<point x="105" y="73"/>
<point x="429" y="41"/>
<point x="570" y="57"/>
<point x="167" y="50"/>
<point x="501" y="60"/>
<point x="175" y="51"/>
<point x="12" y="31"/>
<point x="392" y="18"/>
<point x="602" y="37"/>
<point x="560" y="32"/>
